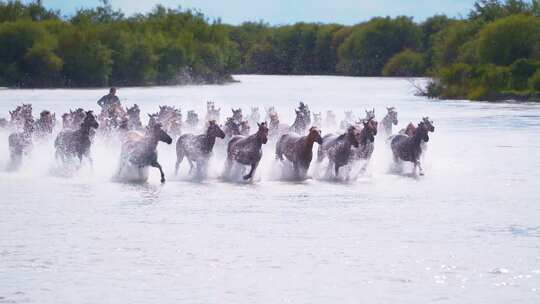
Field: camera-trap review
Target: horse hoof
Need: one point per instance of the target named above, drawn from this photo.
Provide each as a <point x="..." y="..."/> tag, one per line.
<point x="246" y="177"/>
<point x="163" y="181"/>
<point x="421" y="173"/>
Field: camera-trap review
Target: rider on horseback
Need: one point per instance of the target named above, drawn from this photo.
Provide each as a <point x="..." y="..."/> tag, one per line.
<point x="109" y="100"/>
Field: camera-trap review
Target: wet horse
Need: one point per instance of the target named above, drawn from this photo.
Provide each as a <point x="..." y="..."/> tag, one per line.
<point x="408" y="148"/>
<point x="20" y="144"/>
<point x="366" y="145"/>
<point x="338" y="149"/>
<point x="45" y="124"/>
<point x="304" y="108"/>
<point x="247" y="150"/>
<point x="212" y="113"/>
<point x="390" y="119"/>
<point x="198" y="148"/>
<point x="255" y="116"/>
<point x="298" y="150"/>
<point x="77" y="143"/>
<point x="232" y="128"/>
<point x="134" y="118"/>
<point x="141" y="150"/>
<point x="317" y="119"/>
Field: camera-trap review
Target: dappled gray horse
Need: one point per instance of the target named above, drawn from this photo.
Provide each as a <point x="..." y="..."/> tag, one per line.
<point x="198" y="148"/>
<point x="134" y="118"/>
<point x="298" y="150"/>
<point x="366" y="144"/>
<point x="44" y="126"/>
<point x="70" y="143"/>
<point x="141" y="150"/>
<point x="246" y="150"/>
<point x="20" y="144"/>
<point x="390" y="119"/>
<point x="338" y="149"/>
<point x="408" y="148"/>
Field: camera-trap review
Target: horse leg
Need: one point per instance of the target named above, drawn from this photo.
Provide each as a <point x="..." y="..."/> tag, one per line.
<point x="228" y="166"/>
<point x="252" y="171"/>
<point x="179" y="159"/>
<point x="336" y="169"/>
<point x="417" y="164"/>
<point x="190" y="165"/>
<point x="155" y="164"/>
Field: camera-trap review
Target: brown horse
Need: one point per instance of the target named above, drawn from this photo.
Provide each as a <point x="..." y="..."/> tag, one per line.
<point x="247" y="150"/>
<point x="298" y="150"/>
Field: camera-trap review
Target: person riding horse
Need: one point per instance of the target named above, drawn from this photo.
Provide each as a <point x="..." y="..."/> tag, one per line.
<point x="109" y="100"/>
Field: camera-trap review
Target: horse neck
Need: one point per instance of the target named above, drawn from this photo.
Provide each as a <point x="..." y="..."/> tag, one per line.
<point x="418" y="136"/>
<point x="307" y="142"/>
<point x="209" y="141"/>
<point x="363" y="136"/>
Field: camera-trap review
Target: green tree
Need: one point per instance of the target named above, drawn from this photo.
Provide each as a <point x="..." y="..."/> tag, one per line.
<point x="406" y="63"/>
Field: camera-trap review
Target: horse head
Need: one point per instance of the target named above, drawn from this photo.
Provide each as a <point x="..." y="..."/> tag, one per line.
<point x="158" y="134"/>
<point x="370" y="129"/>
<point x="392" y="114"/>
<point x="262" y="133"/>
<point x="428" y="124"/>
<point x="90" y="121"/>
<point x="214" y="130"/>
<point x="370" y="114"/>
<point x="315" y="135"/>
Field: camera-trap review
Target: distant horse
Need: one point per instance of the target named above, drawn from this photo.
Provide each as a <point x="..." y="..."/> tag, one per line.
<point x="141" y="150"/>
<point x="300" y="123"/>
<point x="276" y="128"/>
<point x="77" y="143"/>
<point x="255" y="116"/>
<point x="134" y="118"/>
<point x="348" y="120"/>
<point x="192" y="120"/>
<point x="20" y="144"/>
<point x="366" y="145"/>
<point x="247" y="150"/>
<point x="370" y="114"/>
<point x="198" y="148"/>
<point x="244" y="128"/>
<point x="330" y="120"/>
<point x="304" y="108"/>
<point x="237" y="115"/>
<point x="390" y="119"/>
<point x="317" y="119"/>
<point x="231" y="128"/>
<point x="212" y="113"/>
<point x="73" y="119"/>
<point x="45" y="124"/>
<point x="338" y="149"/>
<point x="298" y="150"/>
<point x="408" y="148"/>
<point x="269" y="112"/>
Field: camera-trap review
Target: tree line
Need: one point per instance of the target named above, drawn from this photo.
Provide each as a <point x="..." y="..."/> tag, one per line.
<point x="494" y="51"/>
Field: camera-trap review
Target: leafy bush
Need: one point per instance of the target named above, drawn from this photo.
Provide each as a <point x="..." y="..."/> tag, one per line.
<point x="406" y="63"/>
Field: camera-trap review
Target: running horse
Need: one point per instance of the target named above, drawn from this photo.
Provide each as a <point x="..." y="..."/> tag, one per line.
<point x="134" y="118"/>
<point x="198" y="148"/>
<point x="390" y="119"/>
<point x="298" y="150"/>
<point x="20" y="144"/>
<point x="140" y="150"/>
<point x="76" y="143"/>
<point x="409" y="148"/>
<point x="246" y="150"/>
<point x="45" y="124"/>
<point x="366" y="145"/>
<point x="338" y="149"/>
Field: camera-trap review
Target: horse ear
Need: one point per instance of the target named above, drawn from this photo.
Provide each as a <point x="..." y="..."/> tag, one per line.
<point x="259" y="125"/>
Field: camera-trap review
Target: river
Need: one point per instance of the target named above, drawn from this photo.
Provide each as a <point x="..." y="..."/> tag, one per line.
<point x="466" y="232"/>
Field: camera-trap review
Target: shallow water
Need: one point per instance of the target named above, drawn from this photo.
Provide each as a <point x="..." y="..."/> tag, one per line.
<point x="466" y="232"/>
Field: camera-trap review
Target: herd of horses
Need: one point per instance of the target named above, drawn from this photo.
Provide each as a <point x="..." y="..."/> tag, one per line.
<point x="294" y="144"/>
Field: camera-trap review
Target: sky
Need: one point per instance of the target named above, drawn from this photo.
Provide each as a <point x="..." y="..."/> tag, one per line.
<point x="278" y="12"/>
